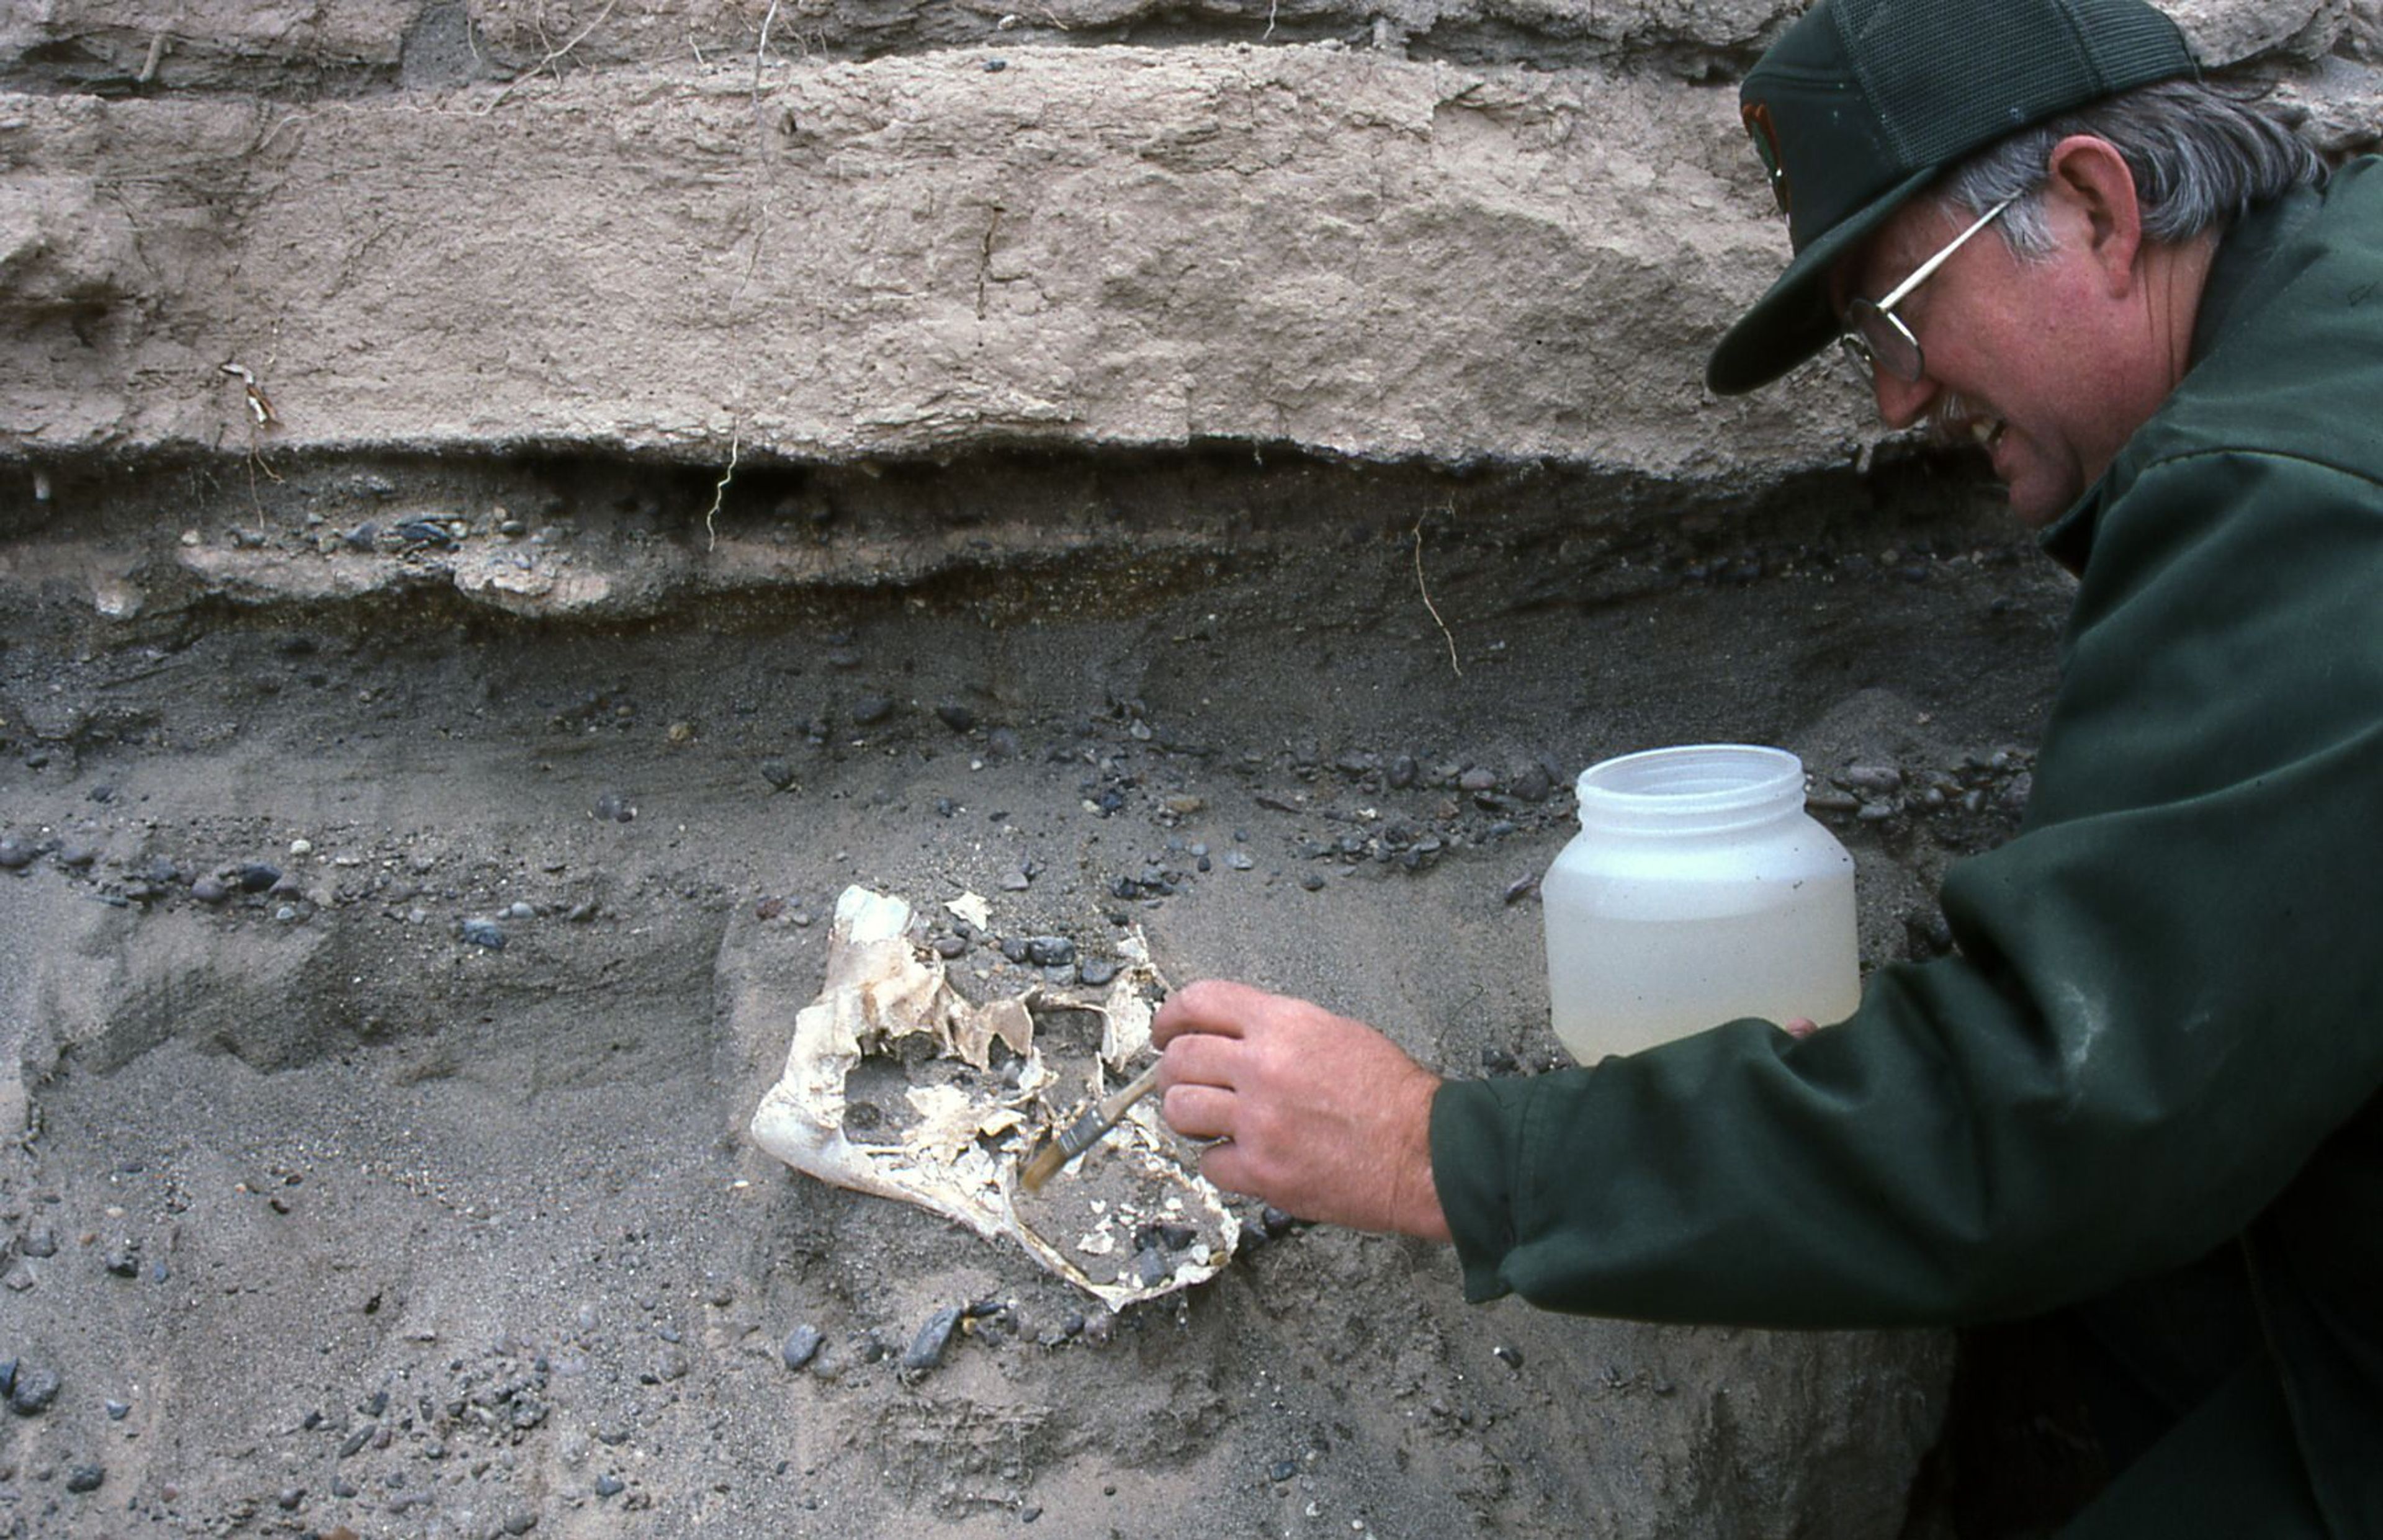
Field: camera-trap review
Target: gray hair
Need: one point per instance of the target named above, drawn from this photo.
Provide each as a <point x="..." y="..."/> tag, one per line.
<point x="2201" y="156"/>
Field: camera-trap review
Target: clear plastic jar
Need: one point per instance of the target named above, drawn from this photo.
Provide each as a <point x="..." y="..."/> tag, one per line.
<point x="1697" y="892"/>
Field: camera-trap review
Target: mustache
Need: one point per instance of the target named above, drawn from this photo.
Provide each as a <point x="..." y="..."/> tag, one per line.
<point x="1955" y="419"/>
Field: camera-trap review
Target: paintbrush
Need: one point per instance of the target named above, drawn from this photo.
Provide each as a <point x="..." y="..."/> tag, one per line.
<point x="1086" y="1131"/>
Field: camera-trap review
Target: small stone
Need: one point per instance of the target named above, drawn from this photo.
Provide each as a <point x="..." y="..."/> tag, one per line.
<point x="1050" y="950"/>
<point x="870" y="709"/>
<point x="85" y="1478"/>
<point x="208" y="890"/>
<point x="1014" y="881"/>
<point x="39" y="1240"/>
<point x="77" y="857"/>
<point x="484" y="932"/>
<point x="779" y="773"/>
<point x="958" y="718"/>
<point x="291" y="1498"/>
<point x="1028" y="1514"/>
<point x="802" y="1345"/>
<point x="1096" y="971"/>
<point x="1239" y="860"/>
<point x="117" y="1410"/>
<point x="1312" y="883"/>
<point x="615" y="807"/>
<point x="33" y="1391"/>
<point x="609" y="1485"/>
<point x="926" y="1350"/>
<point x="1509" y="1355"/>
<point x="15" y="855"/>
<point x="1477" y="780"/>
<point x="1283" y="1470"/>
<point x="122" y="1259"/>
<point x="1403" y="771"/>
<point x="257" y="877"/>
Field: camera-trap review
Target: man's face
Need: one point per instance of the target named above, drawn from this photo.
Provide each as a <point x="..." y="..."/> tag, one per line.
<point x="2033" y="359"/>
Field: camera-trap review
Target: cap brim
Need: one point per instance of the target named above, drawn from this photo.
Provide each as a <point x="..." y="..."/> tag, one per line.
<point x="1795" y="319"/>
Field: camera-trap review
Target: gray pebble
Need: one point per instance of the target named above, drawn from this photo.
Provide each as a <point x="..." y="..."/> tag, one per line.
<point x="870" y="709"/>
<point x="33" y="1391"/>
<point x="15" y="855"/>
<point x="1014" y="881"/>
<point x="208" y="890"/>
<point x="1050" y="950"/>
<point x="77" y="855"/>
<point x="1312" y="883"/>
<point x="958" y="718"/>
<point x="85" y="1478"/>
<point x="615" y="807"/>
<point x="119" y="1411"/>
<point x="291" y="1498"/>
<point x="926" y="1350"/>
<point x="257" y="877"/>
<point x="950" y="948"/>
<point x="802" y="1345"/>
<point x="1283" y="1470"/>
<point x="609" y="1485"/>
<point x="1239" y="860"/>
<point x="1096" y="971"/>
<point x="1403" y="771"/>
<point x="779" y="773"/>
<point x="521" y="911"/>
<point x="1477" y="780"/>
<point x="39" y="1240"/>
<point x="484" y="932"/>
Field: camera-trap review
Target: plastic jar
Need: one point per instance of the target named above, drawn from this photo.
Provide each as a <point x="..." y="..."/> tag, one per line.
<point x="1697" y="891"/>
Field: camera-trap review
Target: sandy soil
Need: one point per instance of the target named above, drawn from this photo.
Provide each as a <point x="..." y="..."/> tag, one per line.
<point x="330" y="1220"/>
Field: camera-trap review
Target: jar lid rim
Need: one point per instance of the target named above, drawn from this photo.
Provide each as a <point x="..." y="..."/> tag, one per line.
<point x="1692" y="780"/>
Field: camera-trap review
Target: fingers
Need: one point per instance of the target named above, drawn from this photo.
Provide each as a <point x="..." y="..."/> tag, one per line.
<point x="1214" y="1005"/>
<point x="1199" y="1112"/>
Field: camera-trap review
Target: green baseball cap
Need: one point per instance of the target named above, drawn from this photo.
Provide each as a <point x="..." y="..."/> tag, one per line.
<point x="1862" y="103"/>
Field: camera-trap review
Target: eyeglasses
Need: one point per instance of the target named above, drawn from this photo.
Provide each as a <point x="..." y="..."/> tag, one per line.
<point x="1875" y="337"/>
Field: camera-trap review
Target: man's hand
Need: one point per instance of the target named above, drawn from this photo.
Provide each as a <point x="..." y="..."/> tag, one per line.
<point x="1325" y="1118"/>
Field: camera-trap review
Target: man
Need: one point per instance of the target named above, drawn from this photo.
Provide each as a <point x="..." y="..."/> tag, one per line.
<point x="2151" y="1071"/>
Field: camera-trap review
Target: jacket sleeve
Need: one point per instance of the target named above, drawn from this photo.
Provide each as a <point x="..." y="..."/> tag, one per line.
<point x="2167" y="989"/>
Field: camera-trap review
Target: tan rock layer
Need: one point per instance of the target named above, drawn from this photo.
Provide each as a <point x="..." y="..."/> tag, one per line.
<point x="1087" y="247"/>
<point x="758" y="256"/>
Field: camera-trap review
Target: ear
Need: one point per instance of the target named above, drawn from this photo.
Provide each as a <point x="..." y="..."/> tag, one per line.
<point x="2090" y="184"/>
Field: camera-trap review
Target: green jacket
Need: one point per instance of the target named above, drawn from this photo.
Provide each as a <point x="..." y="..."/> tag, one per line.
<point x="2163" y="1027"/>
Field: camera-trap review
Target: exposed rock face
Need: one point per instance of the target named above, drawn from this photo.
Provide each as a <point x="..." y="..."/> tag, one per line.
<point x="655" y="236"/>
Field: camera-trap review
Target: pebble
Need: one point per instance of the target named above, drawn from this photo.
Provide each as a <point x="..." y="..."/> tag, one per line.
<point x="1014" y="881"/>
<point x="926" y="1350"/>
<point x="958" y="718"/>
<point x="32" y="1391"/>
<point x="77" y="857"/>
<point x="1477" y="780"/>
<point x="256" y="877"/>
<point x="484" y="932"/>
<point x="15" y="855"/>
<point x="609" y="1485"/>
<point x="950" y="948"/>
<point x="1312" y="883"/>
<point x="614" y="807"/>
<point x="39" y="1240"/>
<point x="802" y="1345"/>
<point x="1283" y="1470"/>
<point x="521" y="911"/>
<point x="119" y="1411"/>
<point x="778" y="774"/>
<point x="1096" y="971"/>
<point x="1403" y="771"/>
<point x="870" y="709"/>
<point x="1050" y="950"/>
<point x="85" y="1478"/>
<point x="291" y="1498"/>
<point x="1239" y="860"/>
